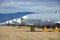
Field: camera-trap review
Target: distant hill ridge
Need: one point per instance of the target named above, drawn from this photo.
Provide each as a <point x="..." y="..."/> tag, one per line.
<point x="10" y="16"/>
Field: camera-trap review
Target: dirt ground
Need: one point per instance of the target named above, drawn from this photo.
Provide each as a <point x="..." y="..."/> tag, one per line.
<point x="24" y="33"/>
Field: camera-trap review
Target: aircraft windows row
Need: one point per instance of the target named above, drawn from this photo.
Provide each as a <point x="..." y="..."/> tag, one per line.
<point x="46" y="20"/>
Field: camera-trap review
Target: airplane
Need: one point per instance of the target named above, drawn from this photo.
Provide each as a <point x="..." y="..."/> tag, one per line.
<point x="49" y="20"/>
<point x="12" y="22"/>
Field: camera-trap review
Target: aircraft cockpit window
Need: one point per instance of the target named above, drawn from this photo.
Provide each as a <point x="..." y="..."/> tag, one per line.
<point x="21" y="18"/>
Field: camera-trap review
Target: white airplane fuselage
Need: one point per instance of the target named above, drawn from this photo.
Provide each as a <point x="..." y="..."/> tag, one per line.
<point x="40" y="20"/>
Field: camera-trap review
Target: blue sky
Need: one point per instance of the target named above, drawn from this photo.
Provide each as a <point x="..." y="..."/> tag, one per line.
<point x="12" y="6"/>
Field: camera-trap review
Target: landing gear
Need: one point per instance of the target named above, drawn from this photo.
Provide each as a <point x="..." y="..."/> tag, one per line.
<point x="56" y="29"/>
<point x="45" y="29"/>
<point x="32" y="28"/>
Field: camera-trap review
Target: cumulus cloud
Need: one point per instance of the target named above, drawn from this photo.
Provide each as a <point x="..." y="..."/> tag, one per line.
<point x="11" y="7"/>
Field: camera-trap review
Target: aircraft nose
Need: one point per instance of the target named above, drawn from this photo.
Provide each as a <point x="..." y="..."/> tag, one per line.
<point x="21" y="18"/>
<point x="24" y="17"/>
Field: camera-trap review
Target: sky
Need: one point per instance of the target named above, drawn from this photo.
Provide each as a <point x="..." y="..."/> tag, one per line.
<point x="13" y="6"/>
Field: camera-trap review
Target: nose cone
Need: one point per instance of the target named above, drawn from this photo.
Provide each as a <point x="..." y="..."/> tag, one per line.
<point x="24" y="17"/>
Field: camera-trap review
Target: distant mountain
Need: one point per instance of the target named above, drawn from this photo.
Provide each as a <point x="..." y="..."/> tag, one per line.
<point x="10" y="16"/>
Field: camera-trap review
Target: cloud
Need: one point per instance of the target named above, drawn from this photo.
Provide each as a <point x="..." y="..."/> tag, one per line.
<point x="12" y="7"/>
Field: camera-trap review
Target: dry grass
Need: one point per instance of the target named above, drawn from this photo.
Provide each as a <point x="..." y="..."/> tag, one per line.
<point x="13" y="33"/>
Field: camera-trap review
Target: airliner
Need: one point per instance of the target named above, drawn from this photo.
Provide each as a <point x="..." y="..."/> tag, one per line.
<point x="49" y="20"/>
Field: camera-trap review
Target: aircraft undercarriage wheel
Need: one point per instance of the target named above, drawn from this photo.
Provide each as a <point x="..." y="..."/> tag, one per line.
<point x="32" y="28"/>
<point x="43" y="27"/>
<point x="58" y="25"/>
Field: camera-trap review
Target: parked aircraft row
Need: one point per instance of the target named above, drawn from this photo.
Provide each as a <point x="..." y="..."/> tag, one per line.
<point x="16" y="21"/>
<point x="40" y="20"/>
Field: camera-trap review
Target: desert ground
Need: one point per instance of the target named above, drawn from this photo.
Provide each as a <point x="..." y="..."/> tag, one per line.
<point x="24" y="33"/>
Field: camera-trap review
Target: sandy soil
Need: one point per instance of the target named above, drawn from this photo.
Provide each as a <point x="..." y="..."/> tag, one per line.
<point x="24" y="33"/>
